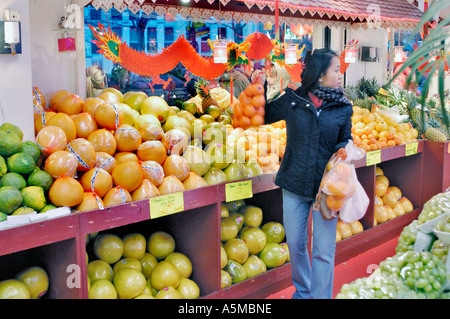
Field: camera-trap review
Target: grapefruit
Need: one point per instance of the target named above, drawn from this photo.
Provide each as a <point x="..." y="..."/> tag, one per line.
<point x="135" y="100"/>
<point x="175" y="141"/>
<point x="14" y="289"/>
<point x="182" y="263"/>
<point x="97" y="180"/>
<point x="41" y="120"/>
<point x="148" y="262"/>
<point x="36" y="279"/>
<point x="170" y="184"/>
<point x="103" y="141"/>
<point x="254" y="266"/>
<point x="160" y="244"/>
<point x="84" y="152"/>
<point x="194" y="181"/>
<point x="91" y="103"/>
<point x="102" y="289"/>
<point x="128" y="138"/>
<point x="66" y="191"/>
<point x="65" y="122"/>
<point x="127" y="262"/>
<point x="122" y="157"/>
<point x="151" y="132"/>
<point x="236" y="271"/>
<point x="273" y="255"/>
<point x="163" y="275"/>
<point x="84" y="124"/>
<point x="91" y="201"/>
<point x="129" y="283"/>
<point x="157" y="106"/>
<point x="108" y="116"/>
<point x="50" y="139"/>
<point x="188" y="289"/>
<point x="236" y="249"/>
<point x="116" y="92"/>
<point x="134" y="245"/>
<point x="99" y="269"/>
<point x="152" y="151"/>
<point x="274" y="232"/>
<point x="56" y="97"/>
<point x="108" y="247"/>
<point x="176" y="165"/>
<point x="70" y="104"/>
<point x="228" y="228"/>
<point x="61" y="163"/>
<point x="153" y="171"/>
<point x="168" y="293"/>
<point x="129" y="175"/>
<point x="254" y="238"/>
<point x="198" y="160"/>
<point x="116" y="196"/>
<point x="253" y="215"/>
<point x="105" y="161"/>
<point x="146" y="190"/>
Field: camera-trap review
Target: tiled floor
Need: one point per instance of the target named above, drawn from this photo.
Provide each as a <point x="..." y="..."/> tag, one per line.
<point x="359" y="266"/>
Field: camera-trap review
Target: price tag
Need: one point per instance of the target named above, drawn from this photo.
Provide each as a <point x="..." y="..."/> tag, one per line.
<point x="238" y="190"/>
<point x="411" y="148"/>
<point x="166" y="205"/>
<point x="373" y="157"/>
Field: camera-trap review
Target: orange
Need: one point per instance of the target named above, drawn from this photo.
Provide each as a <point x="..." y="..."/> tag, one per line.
<point x="56" y="97"/>
<point x="65" y="122"/>
<point x="237" y="110"/>
<point x="170" y="184"/>
<point x="261" y="111"/>
<point x="244" y="121"/>
<point x="84" y="124"/>
<point x="153" y="171"/>
<point x="122" y="157"/>
<point x="103" y="141"/>
<point x="335" y="203"/>
<point x="152" y="151"/>
<point x="51" y="139"/>
<point x="116" y="196"/>
<point x="105" y="161"/>
<point x="109" y="115"/>
<point x="249" y="110"/>
<point x="258" y="101"/>
<point x="146" y="190"/>
<point x="70" y="104"/>
<point x="61" y="163"/>
<point x="91" y="201"/>
<point x="128" y="138"/>
<point x="66" y="191"/>
<point x="249" y="90"/>
<point x="97" y="180"/>
<point x="129" y="175"/>
<point x="84" y="152"/>
<point x="176" y="165"/>
<point x="41" y="120"/>
<point x="257" y="120"/>
<point x="91" y="103"/>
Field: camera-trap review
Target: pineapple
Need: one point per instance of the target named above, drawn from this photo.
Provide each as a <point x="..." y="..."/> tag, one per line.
<point x="434" y="134"/>
<point x="203" y="91"/>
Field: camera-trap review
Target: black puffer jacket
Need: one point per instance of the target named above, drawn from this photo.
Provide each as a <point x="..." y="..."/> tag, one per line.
<point x="313" y="135"/>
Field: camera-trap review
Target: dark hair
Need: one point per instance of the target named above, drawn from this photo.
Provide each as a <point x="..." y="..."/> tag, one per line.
<point x="316" y="65"/>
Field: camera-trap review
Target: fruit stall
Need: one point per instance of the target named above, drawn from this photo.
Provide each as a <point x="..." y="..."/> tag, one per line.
<point x="180" y="201"/>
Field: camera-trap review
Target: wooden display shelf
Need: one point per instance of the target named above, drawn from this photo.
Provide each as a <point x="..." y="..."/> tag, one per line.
<point x="436" y="169"/>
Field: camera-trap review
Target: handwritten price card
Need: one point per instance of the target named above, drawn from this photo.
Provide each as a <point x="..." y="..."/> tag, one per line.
<point x="238" y="190"/>
<point x="166" y="205"/>
<point x="411" y="148"/>
<point x="373" y="157"/>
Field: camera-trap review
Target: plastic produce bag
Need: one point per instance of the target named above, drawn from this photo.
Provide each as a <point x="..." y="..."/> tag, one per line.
<point x="340" y="190"/>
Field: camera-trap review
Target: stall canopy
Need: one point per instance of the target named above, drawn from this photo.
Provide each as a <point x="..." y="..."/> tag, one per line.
<point x="398" y="14"/>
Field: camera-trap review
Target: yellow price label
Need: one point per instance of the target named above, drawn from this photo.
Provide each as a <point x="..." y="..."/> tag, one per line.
<point x="411" y="148"/>
<point x="238" y="190"/>
<point x="373" y="157"/>
<point x="166" y="205"/>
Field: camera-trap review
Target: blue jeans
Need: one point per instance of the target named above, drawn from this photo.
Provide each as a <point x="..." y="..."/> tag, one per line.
<point x="312" y="280"/>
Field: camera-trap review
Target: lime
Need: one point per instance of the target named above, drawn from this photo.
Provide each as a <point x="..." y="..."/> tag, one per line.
<point x="3" y="168"/>
<point x="23" y="210"/>
<point x="8" y="127"/>
<point x="189" y="106"/>
<point x="3" y="217"/>
<point x="214" y="111"/>
<point x="21" y="163"/>
<point x="47" y="208"/>
<point x="31" y="148"/>
<point x="13" y="179"/>
<point x="10" y="199"/>
<point x="10" y="143"/>
<point x="40" y="178"/>
<point x="34" y="197"/>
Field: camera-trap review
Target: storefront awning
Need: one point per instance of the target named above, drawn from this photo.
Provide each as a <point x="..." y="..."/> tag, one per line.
<point x="398" y="14"/>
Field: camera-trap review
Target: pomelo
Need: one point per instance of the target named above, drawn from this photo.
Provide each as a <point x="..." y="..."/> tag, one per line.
<point x="109" y="97"/>
<point x="36" y="279"/>
<point x="134" y="245"/>
<point x="129" y="283"/>
<point x="128" y="138"/>
<point x="148" y="262"/>
<point x="188" y="289"/>
<point x="273" y="255"/>
<point x="274" y="232"/>
<point x="160" y="244"/>
<point x="65" y="122"/>
<point x="237" y="250"/>
<point x="198" y="160"/>
<point x="125" y="157"/>
<point x="168" y="293"/>
<point x="105" y="161"/>
<point x="84" y="124"/>
<point x="61" y="163"/>
<point x="50" y="139"/>
<point x="146" y="190"/>
<point x="152" y="151"/>
<point x="157" y="106"/>
<point x="22" y="163"/>
<point x="14" y="289"/>
<point x="254" y="266"/>
<point x="127" y="262"/>
<point x="228" y="228"/>
<point x="91" y="103"/>
<point x="194" y="181"/>
<point x="66" y="191"/>
<point x="175" y="141"/>
<point x="47" y="208"/>
<point x="181" y="262"/>
<point x="97" y="180"/>
<point x="10" y="199"/>
<point x="253" y="215"/>
<point x="225" y="279"/>
<point x="23" y="210"/>
<point x="129" y="175"/>
<point x="103" y="141"/>
<point x="135" y="100"/>
<point x="84" y="152"/>
<point x="116" y="92"/>
<point x="56" y="97"/>
<point x="170" y="184"/>
<point x="215" y="176"/>
<point x="99" y="269"/>
<point x="153" y="171"/>
<point x="102" y="289"/>
<point x="9" y="127"/>
<point x="41" y="120"/>
<point x="151" y="132"/>
<point x="3" y="167"/>
<point x="254" y="238"/>
<point x="108" y="247"/>
<point x="176" y="165"/>
<point x="91" y="201"/>
<point x="116" y="196"/>
<point x="236" y="270"/>
<point x="108" y="116"/>
<point x="129" y="115"/>
<point x="163" y="275"/>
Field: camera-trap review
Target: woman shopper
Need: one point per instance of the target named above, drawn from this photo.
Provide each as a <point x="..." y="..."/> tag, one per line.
<point x="318" y="124"/>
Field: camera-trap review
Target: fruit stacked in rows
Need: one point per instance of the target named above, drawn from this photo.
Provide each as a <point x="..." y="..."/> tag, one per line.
<point x="248" y="247"/>
<point x="31" y="283"/>
<point x="345" y="230"/>
<point x="136" y="267"/>
<point x="117" y="148"/>
<point x="389" y="200"/>
<point x="23" y="186"/>
<point x="375" y="130"/>
<point x="249" y="110"/>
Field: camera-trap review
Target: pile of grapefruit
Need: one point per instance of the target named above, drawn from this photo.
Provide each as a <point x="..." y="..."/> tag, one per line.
<point x="249" y="247"/>
<point x="116" y="148"/>
<point x="30" y="283"/>
<point x="137" y="267"/>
